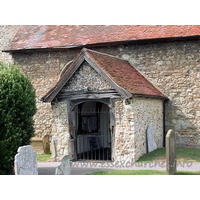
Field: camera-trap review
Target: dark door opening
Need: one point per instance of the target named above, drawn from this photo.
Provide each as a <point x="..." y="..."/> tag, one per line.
<point x="92" y="129"/>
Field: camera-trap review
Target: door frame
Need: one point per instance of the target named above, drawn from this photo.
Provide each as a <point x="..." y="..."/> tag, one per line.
<point x="71" y="105"/>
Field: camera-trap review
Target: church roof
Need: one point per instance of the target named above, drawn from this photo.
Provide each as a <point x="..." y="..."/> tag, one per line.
<point x="39" y="37"/>
<point x="123" y="77"/>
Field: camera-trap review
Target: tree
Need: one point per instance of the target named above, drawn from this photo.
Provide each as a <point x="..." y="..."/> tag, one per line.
<point x="17" y="107"/>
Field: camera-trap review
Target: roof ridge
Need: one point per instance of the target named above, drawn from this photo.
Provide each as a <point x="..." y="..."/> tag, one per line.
<point x="105" y="54"/>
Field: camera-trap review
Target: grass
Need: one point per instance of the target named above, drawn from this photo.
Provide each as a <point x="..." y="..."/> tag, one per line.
<point x="130" y="172"/>
<point x="43" y="157"/>
<point x="142" y="172"/>
<point x="188" y="154"/>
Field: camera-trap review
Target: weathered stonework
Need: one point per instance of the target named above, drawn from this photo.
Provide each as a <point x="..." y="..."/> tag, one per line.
<point x="172" y="67"/>
<point x="26" y="161"/>
<point x="7" y="33"/>
<point x="132" y="119"/>
<point x="60" y="131"/>
<point x="44" y="69"/>
<point x="86" y="77"/>
<point x="64" y="168"/>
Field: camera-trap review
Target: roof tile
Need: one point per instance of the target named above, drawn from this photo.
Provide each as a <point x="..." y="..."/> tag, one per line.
<point x="48" y="36"/>
<point x="121" y="72"/>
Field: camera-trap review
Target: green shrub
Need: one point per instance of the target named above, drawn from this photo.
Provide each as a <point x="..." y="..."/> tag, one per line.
<point x="17" y="107"/>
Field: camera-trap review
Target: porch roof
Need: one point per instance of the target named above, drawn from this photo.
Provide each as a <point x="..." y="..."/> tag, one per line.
<point x="125" y="79"/>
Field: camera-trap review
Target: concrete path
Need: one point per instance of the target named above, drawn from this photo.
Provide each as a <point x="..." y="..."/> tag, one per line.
<point x="48" y="168"/>
<point x="81" y="168"/>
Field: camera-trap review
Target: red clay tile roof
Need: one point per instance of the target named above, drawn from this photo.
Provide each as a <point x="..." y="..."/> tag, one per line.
<point x="119" y="71"/>
<point x="49" y="36"/>
<point x="124" y="75"/>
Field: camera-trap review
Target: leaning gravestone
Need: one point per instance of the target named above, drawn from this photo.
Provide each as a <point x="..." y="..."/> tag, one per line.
<point x="64" y="168"/>
<point x="150" y="139"/>
<point x="26" y="161"/>
<point x="171" y="152"/>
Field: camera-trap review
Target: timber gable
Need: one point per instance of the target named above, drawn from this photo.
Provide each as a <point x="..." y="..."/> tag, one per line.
<point x="86" y="83"/>
<point x="121" y="78"/>
<point x="71" y="70"/>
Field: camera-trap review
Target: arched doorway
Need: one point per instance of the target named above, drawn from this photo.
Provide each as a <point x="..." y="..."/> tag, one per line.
<point x="92" y="131"/>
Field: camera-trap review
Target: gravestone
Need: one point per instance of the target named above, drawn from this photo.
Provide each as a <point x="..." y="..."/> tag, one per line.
<point x="171" y="152"/>
<point x="46" y="144"/>
<point x="64" y="168"/>
<point x="26" y="161"/>
<point x="37" y="144"/>
<point x="53" y="149"/>
<point x="151" y="145"/>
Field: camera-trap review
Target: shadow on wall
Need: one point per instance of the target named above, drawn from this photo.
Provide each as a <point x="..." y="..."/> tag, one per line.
<point x="185" y="124"/>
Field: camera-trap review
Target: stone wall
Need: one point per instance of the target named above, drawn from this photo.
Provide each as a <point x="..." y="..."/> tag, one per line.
<point x="60" y="131"/>
<point x="44" y="69"/>
<point x="132" y="119"/>
<point x="133" y="116"/>
<point x="173" y="67"/>
<point x="7" y="33"/>
<point x="86" y="77"/>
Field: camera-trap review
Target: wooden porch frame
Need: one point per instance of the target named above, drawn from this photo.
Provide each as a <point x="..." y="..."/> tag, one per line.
<point x="74" y="66"/>
<point x="71" y="105"/>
